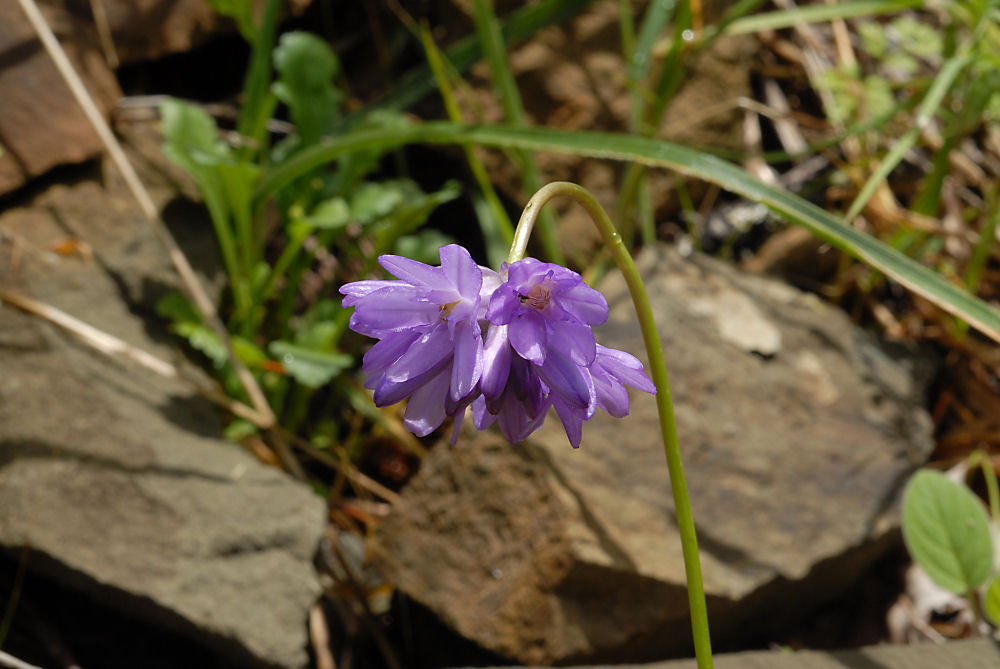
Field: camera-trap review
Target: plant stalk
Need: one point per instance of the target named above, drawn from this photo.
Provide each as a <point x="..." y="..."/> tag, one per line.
<point x="658" y="372"/>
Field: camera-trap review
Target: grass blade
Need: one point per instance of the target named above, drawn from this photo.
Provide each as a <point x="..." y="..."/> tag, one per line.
<point x="491" y="37"/>
<point x="925" y="112"/>
<point x="655" y="153"/>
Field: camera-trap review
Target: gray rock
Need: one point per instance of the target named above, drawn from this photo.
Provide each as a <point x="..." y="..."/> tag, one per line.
<point x="117" y="478"/>
<point x="797" y="431"/>
<point x="964" y="654"/>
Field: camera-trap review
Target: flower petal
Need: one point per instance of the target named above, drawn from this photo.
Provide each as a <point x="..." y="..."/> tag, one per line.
<point x="461" y="270"/>
<point x="425" y="410"/>
<point x="496" y="361"/>
<point x="528" y="335"/>
<point x="503" y="305"/>
<point x="570" y="381"/>
<point x="414" y="272"/>
<point x="482" y="418"/>
<point x="611" y="395"/>
<point x="358" y="289"/>
<point x="585" y="304"/>
<point x="467" y="367"/>
<point x="572" y="419"/>
<point x="396" y="307"/>
<point x="574" y="340"/>
<point x="433" y="347"/>
<point x="625" y="367"/>
<point x="388" y="350"/>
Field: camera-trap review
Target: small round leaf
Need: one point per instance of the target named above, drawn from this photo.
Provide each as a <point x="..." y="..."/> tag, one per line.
<point x="946" y="531"/>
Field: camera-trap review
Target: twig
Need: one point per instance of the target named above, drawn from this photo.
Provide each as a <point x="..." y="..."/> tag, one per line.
<point x="102" y="341"/>
<point x="113" y="346"/>
<point x="190" y="279"/>
<point x="8" y="660"/>
<point x="104" y="33"/>
<point x="319" y="634"/>
<point x="347" y="469"/>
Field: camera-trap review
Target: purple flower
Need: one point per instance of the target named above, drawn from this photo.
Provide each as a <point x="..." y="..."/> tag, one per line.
<point x="430" y="345"/>
<point x="545" y="313"/>
<point x="545" y="303"/>
<point x="540" y="351"/>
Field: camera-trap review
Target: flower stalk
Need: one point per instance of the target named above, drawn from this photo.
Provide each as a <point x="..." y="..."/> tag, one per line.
<point x="658" y="372"/>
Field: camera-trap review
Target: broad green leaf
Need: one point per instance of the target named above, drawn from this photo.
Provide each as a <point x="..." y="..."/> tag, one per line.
<point x="309" y="367"/>
<point x="306" y="67"/>
<point x="992" y="603"/>
<point x="657" y="153"/>
<point x="946" y="531"/>
<point x="377" y="199"/>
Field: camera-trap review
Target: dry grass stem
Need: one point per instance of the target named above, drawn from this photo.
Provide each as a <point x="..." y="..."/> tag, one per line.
<point x="190" y="279"/>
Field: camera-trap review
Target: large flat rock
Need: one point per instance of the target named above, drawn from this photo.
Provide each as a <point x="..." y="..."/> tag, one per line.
<point x="797" y="430"/>
<point x="116" y="478"/>
<point x="966" y="654"/>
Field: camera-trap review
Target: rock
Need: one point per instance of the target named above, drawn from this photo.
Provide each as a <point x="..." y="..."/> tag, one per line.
<point x="116" y="477"/>
<point x="41" y="124"/>
<point x="796" y="444"/>
<point x="966" y="654"/>
<point x="149" y="29"/>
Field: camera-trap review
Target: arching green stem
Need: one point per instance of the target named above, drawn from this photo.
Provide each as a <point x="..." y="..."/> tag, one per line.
<point x="658" y="372"/>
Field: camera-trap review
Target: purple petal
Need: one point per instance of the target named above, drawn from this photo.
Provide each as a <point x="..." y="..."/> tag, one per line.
<point x="395" y="307"/>
<point x="528" y="336"/>
<point x="527" y="272"/>
<point x="624" y="367"/>
<point x="574" y="340"/>
<point x="572" y="419"/>
<point x="425" y="410"/>
<point x="467" y="367"/>
<point x="503" y="305"/>
<point x="388" y="350"/>
<point x="461" y="270"/>
<point x="433" y="347"/>
<point x="354" y="291"/>
<point x="482" y="418"/>
<point x="414" y="272"/>
<point x="496" y="361"/>
<point x="515" y="424"/>
<point x="585" y="304"/>
<point x="611" y="395"/>
<point x="570" y="381"/>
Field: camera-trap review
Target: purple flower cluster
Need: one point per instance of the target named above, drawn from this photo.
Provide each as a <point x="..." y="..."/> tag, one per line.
<point x="538" y="352"/>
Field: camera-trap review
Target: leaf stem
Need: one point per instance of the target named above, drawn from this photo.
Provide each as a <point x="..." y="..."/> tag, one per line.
<point x="658" y="371"/>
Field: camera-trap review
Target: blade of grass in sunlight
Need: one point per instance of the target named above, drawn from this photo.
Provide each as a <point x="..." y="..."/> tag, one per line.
<point x="925" y="112"/>
<point x="819" y="13"/>
<point x="654" y="21"/>
<point x="491" y="37"/>
<point x="655" y="153"/>
<point x="497" y="228"/>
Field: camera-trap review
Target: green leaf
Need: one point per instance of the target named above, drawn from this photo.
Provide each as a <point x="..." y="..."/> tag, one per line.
<point x="240" y="11"/>
<point x="330" y="214"/>
<point x="306" y="67"/>
<point x="309" y="367"/>
<point x="423" y="246"/>
<point x="656" y="153"/>
<point x="992" y="603"/>
<point x="191" y="137"/>
<point x="946" y="531"/>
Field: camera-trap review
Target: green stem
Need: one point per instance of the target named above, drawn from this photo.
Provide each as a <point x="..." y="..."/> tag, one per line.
<point x="658" y="371"/>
